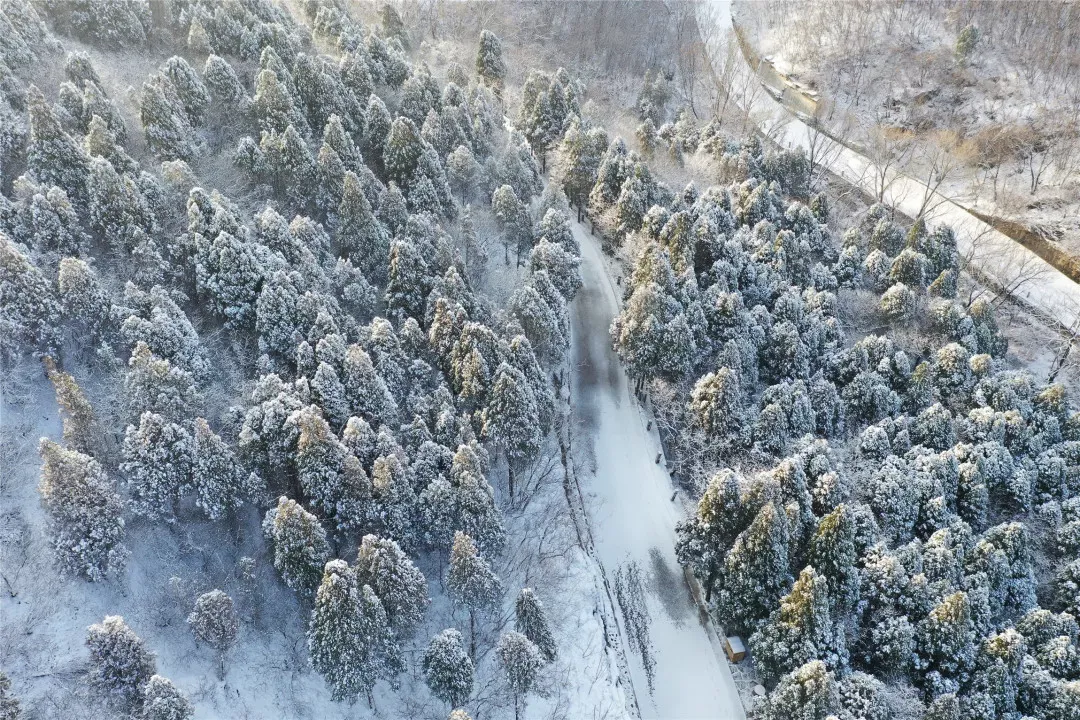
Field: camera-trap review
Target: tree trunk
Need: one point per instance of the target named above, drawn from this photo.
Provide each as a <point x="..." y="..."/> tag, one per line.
<point x="510" y="478"/>
<point x="472" y="634"/>
<point x="370" y="700"/>
<point x="709" y="585"/>
<point x="517" y="710"/>
<point x="221" y="666"/>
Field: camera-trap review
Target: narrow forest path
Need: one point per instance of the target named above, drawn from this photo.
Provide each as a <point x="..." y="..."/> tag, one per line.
<point x="632" y="514"/>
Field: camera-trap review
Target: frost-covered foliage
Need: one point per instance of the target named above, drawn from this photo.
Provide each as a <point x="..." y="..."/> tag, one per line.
<point x="320" y="337"/>
<point x="349" y="638"/>
<point x="163" y="701"/>
<point x="85" y="512"/>
<point x="213" y="621"/>
<point x="448" y="669"/>
<point x="299" y="541"/>
<point x="531" y="621"/>
<point x="521" y="660"/>
<point x="121" y="666"/>
<point x="895" y="527"/>
<point x="489" y="59"/>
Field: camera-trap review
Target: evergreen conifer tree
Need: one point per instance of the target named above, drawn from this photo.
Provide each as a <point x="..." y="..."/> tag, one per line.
<point x="163" y="701"/>
<point x="704" y="539"/>
<point x="490" y="65"/>
<point x="52" y="156"/>
<point x="164" y="120"/>
<point x="214" y="622"/>
<point x="349" y="637"/>
<point x="85" y="512"/>
<point x="299" y="541"/>
<point x="189" y="87"/>
<point x="448" y="669"/>
<point x="833" y="554"/>
<point x="359" y="233"/>
<point x="220" y="483"/>
<point x="532" y="622"/>
<point x="400" y="586"/>
<point x="800" y="630"/>
<point x="223" y="84"/>
<point x="120" y="663"/>
<point x="510" y="419"/>
<point x="157" y="458"/>
<point x="756" y="569"/>
<point x="521" y="660"/>
<point x="472" y="583"/>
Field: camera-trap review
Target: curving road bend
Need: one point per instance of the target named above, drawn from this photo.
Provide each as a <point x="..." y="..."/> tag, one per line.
<point x="990" y="253"/>
<point x="632" y="515"/>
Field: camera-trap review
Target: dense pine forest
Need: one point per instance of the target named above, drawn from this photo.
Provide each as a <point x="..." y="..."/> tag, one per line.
<point x="292" y="298"/>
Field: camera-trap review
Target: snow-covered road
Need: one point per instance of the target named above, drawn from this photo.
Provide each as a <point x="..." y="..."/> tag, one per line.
<point x="989" y="252"/>
<point x="632" y="515"/>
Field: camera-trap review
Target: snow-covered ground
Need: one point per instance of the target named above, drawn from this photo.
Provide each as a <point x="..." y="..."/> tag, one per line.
<point x="633" y="515"/>
<point x="993" y="254"/>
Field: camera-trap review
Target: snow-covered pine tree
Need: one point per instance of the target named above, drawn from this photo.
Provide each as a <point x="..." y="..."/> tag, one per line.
<point x="164" y="119"/>
<point x="471" y="582"/>
<point x="808" y="693"/>
<point x="530" y="619"/>
<point x="521" y="661"/>
<point x="331" y="477"/>
<point x="84" y="300"/>
<point x="81" y="431"/>
<point x="299" y="541"/>
<point x="462" y="171"/>
<point x="52" y="156"/>
<point x="402" y="151"/>
<point x="799" y="631"/>
<point x="223" y="84"/>
<point x="85" y="512"/>
<point x="156" y="466"/>
<point x="399" y="585"/>
<point x="716" y="404"/>
<point x="522" y="357"/>
<point x="756" y="570"/>
<point x="514" y="222"/>
<point x="214" y="622"/>
<point x="409" y="281"/>
<point x="396" y="504"/>
<point x="947" y="639"/>
<point x="220" y="482"/>
<point x="510" y="419"/>
<point x="359" y="233"/>
<point x="120" y="663"/>
<point x="335" y="642"/>
<point x="704" y="539"/>
<point x="448" y="669"/>
<point x="561" y="266"/>
<point x="833" y="554"/>
<point x="490" y="65"/>
<point x="29" y="313"/>
<point x="163" y="701"/>
<point x="367" y="392"/>
<point x="350" y="640"/>
<point x="328" y="391"/>
<point x="273" y="105"/>
<point x="193" y="94"/>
